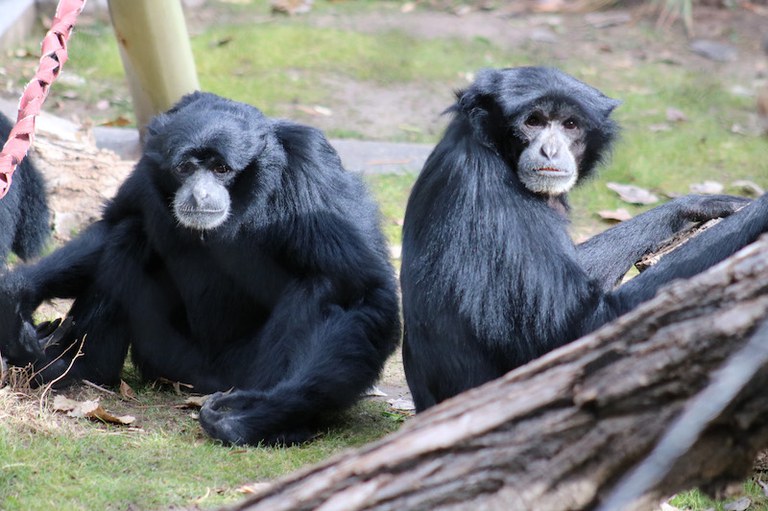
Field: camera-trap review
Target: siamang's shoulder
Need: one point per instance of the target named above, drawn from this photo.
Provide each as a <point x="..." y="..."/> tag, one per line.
<point x="305" y="144"/>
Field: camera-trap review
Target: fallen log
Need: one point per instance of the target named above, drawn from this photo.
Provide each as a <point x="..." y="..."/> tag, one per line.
<point x="562" y="431"/>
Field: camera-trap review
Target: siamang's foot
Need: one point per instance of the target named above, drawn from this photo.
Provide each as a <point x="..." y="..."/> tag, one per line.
<point x="248" y="417"/>
<point x="700" y="208"/>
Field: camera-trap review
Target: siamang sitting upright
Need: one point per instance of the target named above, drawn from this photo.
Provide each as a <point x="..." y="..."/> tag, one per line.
<point x="490" y="278"/>
<point x="24" y="216"/>
<point x="238" y="257"/>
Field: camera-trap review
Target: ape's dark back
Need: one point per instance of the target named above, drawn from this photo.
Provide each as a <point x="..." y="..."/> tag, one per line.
<point x="24" y="215"/>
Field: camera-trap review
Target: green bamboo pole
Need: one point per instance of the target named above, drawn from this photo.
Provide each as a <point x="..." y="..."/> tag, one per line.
<point x="157" y="57"/>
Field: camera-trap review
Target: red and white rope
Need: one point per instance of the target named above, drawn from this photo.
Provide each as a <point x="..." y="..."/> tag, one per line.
<point x="54" y="55"/>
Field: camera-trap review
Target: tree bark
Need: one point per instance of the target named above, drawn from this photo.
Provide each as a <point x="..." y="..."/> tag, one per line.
<point x="560" y="432"/>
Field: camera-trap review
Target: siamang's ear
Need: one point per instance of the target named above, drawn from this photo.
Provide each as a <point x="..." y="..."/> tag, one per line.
<point x="479" y="103"/>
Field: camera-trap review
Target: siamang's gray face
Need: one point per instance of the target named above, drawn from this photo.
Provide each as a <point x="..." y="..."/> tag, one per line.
<point x="200" y="149"/>
<point x="202" y="202"/>
<point x="555" y="139"/>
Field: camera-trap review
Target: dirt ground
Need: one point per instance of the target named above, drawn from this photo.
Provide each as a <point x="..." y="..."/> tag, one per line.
<point x="617" y="39"/>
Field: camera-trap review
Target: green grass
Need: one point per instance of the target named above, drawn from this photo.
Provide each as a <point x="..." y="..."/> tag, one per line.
<point x="695" y="500"/>
<point x="391" y="192"/>
<point x="169" y="462"/>
<point x="286" y="61"/>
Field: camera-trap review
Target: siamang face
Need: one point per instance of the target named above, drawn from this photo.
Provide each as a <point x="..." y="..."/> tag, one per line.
<point x="202" y="200"/>
<point x="555" y="142"/>
<point x="204" y="151"/>
<point x="550" y="128"/>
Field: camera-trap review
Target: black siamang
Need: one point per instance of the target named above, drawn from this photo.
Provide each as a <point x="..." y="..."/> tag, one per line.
<point x="490" y="278"/>
<point x="24" y="216"/>
<point x="238" y="257"/>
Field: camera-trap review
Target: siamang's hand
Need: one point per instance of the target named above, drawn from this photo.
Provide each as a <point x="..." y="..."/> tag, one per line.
<point x="700" y="208"/>
<point x="18" y="337"/>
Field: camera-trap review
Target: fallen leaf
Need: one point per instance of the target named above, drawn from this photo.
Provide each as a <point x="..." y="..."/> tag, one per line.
<point x="126" y="392"/>
<point x="738" y="129"/>
<point x="315" y="110"/>
<point x="675" y="115"/>
<point x="738" y="505"/>
<point x="89" y="409"/>
<point x="375" y="392"/>
<point x="749" y="187"/>
<point x="193" y="402"/>
<point x="707" y="187"/>
<point x="118" y="122"/>
<point x="659" y="127"/>
<point x="253" y="488"/>
<point x="401" y="403"/>
<point x="615" y="215"/>
<point x="633" y="194"/>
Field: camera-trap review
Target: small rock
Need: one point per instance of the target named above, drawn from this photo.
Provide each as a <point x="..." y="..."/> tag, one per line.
<point x="714" y="50"/>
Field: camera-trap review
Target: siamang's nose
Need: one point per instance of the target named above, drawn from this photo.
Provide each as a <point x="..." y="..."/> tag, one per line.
<point x="550" y="146"/>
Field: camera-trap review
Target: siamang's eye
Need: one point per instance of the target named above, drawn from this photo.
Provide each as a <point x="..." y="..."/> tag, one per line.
<point x="186" y="168"/>
<point x="221" y="169"/>
<point x="535" y="120"/>
<point x="571" y="124"/>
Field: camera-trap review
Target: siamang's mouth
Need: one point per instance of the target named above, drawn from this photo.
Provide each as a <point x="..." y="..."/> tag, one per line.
<point x="550" y="170"/>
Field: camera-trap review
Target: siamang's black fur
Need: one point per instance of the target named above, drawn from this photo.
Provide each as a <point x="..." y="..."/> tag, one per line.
<point x="287" y="310"/>
<point x="490" y="278"/>
<point x="24" y="216"/>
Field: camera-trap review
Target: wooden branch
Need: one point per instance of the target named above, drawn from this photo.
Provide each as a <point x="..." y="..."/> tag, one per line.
<point x="678" y="240"/>
<point x="560" y="432"/>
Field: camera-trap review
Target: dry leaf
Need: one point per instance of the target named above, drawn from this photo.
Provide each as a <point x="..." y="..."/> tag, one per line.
<point x="90" y="409"/>
<point x="749" y="187"/>
<point x="118" y="122"/>
<point x="402" y="404"/>
<point x="738" y="505"/>
<point x="660" y="127"/>
<point x="126" y="392"/>
<point x="707" y="187"/>
<point x="615" y="215"/>
<point x="675" y="115"/>
<point x="193" y="402"/>
<point x="375" y="392"/>
<point x="253" y="488"/>
<point x="633" y="194"/>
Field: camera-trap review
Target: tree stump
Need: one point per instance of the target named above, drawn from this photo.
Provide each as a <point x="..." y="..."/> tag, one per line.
<point x="560" y="432"/>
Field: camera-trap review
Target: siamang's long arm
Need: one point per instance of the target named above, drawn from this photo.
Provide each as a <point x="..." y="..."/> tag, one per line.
<point x="63" y="274"/>
<point x="66" y="272"/>
<point x="606" y="257"/>
<point x="698" y="254"/>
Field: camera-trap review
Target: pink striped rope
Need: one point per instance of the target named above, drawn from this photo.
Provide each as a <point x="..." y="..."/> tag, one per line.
<point x="54" y="55"/>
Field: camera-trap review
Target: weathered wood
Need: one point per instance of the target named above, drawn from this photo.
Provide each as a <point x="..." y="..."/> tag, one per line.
<point x="80" y="177"/>
<point x="559" y="433"/>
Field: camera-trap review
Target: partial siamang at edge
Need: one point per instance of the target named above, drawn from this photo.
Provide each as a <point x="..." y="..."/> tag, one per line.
<point x="24" y="216"/>
<point x="238" y="257"/>
<point x="490" y="278"/>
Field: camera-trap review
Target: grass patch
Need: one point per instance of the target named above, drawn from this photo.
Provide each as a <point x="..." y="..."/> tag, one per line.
<point x="695" y="500"/>
<point x="391" y="192"/>
<point x="50" y="461"/>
